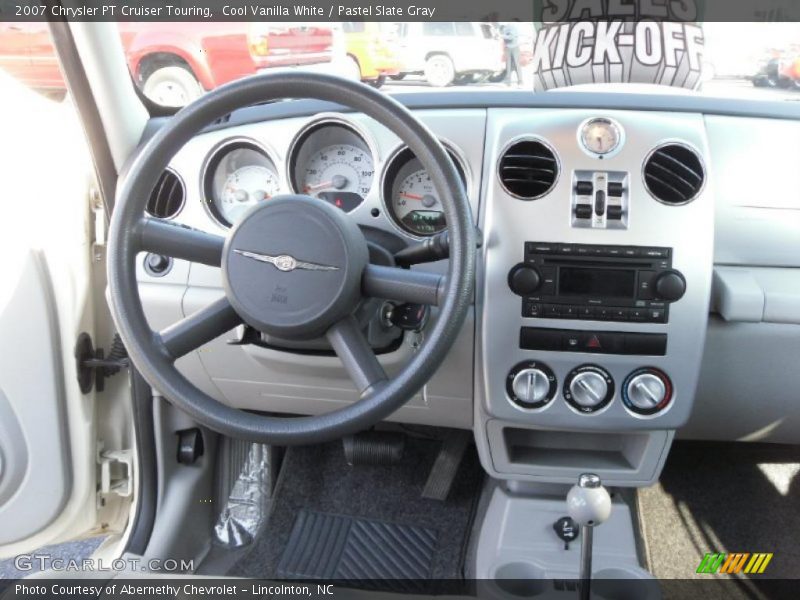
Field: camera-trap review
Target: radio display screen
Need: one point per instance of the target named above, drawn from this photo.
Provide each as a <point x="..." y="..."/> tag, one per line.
<point x="608" y="283"/>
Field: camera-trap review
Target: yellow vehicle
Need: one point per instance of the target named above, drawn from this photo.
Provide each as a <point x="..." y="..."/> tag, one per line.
<point x="371" y="52"/>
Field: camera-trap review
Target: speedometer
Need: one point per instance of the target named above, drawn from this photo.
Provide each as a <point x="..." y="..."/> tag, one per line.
<point x="411" y="200"/>
<point x="331" y="160"/>
<point x="340" y="174"/>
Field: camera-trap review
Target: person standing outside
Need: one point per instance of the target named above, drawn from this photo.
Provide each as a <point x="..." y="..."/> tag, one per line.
<point x="511" y="42"/>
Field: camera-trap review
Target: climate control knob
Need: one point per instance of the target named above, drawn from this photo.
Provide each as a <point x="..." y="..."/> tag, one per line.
<point x="531" y="384"/>
<point x="588" y="388"/>
<point x="670" y="286"/>
<point x="647" y="391"/>
<point x="524" y="280"/>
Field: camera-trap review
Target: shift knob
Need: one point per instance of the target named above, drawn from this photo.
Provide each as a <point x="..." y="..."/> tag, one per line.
<point x="588" y="502"/>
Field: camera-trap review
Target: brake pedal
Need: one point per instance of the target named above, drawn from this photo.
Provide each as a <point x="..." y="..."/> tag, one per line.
<point x="374" y="448"/>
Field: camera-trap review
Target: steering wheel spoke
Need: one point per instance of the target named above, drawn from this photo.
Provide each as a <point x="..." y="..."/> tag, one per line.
<point x="170" y="239"/>
<point x="197" y="329"/>
<point x="357" y="356"/>
<point x="391" y="283"/>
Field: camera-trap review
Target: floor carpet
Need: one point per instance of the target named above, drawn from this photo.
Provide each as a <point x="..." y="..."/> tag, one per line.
<point x="317" y="481"/>
<point x="717" y="497"/>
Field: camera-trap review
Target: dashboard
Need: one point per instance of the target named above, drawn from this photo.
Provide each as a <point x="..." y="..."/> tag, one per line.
<point x="604" y="241"/>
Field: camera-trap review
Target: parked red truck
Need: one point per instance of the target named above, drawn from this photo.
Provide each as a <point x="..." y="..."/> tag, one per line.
<point x="172" y="64"/>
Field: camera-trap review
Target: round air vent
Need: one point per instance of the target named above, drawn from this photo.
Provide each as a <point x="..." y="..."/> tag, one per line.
<point x="528" y="169"/>
<point x="166" y="199"/>
<point x="674" y="174"/>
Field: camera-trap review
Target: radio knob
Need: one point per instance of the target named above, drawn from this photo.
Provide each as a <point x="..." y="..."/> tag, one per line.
<point x="670" y="286"/>
<point x="647" y="391"/>
<point x="524" y="280"/>
<point x="589" y="388"/>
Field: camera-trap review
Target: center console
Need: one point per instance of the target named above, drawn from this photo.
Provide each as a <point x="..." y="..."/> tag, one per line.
<point x="593" y="291"/>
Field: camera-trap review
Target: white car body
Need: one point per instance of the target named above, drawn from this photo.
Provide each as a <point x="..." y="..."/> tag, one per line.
<point x="472" y="47"/>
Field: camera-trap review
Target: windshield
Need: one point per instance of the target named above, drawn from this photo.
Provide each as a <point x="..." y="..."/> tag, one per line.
<point x="730" y="60"/>
<point x="175" y="62"/>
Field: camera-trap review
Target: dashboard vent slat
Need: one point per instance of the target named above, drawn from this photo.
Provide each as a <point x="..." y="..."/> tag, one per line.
<point x="528" y="169"/>
<point x="674" y="174"/>
<point x="167" y="197"/>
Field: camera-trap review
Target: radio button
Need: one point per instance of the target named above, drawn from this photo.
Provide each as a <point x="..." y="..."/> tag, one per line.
<point x="569" y="312"/>
<point x="646" y="285"/>
<point x="602" y="313"/>
<point x="656" y="252"/>
<point x="657" y="315"/>
<point x="552" y="311"/>
<point x="540" y="248"/>
<point x="632" y="252"/>
<point x="638" y="315"/>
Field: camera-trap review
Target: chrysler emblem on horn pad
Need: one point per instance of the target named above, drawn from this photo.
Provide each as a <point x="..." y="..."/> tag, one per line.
<point x="284" y="262"/>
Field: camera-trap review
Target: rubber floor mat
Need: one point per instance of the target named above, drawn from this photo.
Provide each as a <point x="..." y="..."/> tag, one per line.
<point x="368" y="516"/>
<point x="326" y="546"/>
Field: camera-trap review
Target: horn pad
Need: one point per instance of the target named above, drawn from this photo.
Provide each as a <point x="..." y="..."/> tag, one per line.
<point x="292" y="266"/>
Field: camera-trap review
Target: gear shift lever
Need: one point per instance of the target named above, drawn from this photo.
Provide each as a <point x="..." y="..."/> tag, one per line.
<point x="589" y="505"/>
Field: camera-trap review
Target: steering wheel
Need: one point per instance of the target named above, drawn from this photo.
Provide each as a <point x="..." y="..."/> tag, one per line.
<point x="293" y="267"/>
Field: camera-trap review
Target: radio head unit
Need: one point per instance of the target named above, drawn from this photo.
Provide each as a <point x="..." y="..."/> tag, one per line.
<point x="603" y="283"/>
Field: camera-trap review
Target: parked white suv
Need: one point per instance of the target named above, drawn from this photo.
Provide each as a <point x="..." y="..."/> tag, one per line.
<point x="450" y="52"/>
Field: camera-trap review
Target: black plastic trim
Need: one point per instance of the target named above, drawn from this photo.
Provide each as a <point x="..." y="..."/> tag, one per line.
<point x="144" y="430"/>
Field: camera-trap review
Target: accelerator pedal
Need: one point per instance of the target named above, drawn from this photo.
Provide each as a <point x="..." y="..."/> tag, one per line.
<point x="445" y="467"/>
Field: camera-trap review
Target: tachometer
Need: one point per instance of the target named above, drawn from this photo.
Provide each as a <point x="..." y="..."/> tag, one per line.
<point x="238" y="175"/>
<point x="331" y="161"/>
<point x="245" y="187"/>
<point x="411" y="199"/>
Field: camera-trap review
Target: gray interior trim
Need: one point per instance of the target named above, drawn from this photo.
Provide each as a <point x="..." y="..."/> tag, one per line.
<point x="517" y="99"/>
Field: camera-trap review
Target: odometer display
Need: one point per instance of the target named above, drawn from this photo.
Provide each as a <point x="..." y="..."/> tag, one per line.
<point x="424" y="222"/>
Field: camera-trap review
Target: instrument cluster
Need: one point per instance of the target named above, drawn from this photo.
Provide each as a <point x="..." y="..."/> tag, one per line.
<point x="333" y="160"/>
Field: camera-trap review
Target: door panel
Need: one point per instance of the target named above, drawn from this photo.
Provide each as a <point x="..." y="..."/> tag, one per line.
<point x="35" y="474"/>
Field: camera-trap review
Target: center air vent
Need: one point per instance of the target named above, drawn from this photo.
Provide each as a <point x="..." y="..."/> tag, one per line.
<point x="167" y="197"/>
<point x="674" y="174"/>
<point x="528" y="169"/>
